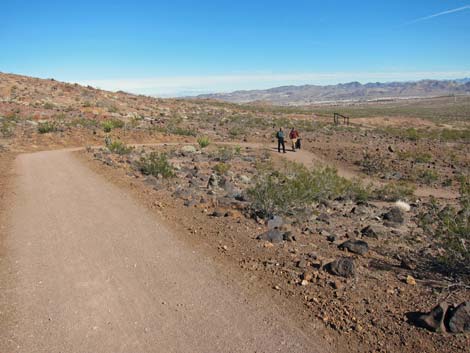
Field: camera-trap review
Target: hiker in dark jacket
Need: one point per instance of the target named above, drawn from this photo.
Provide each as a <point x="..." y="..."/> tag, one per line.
<point x="280" y="141"/>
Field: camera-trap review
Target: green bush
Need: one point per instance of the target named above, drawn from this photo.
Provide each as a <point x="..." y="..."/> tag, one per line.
<point x="84" y="122"/>
<point x="453" y="232"/>
<point x="292" y="190"/>
<point x="109" y="125"/>
<point x="203" y="142"/>
<point x="156" y="164"/>
<point x="427" y="176"/>
<point x="7" y="128"/>
<point x="176" y="130"/>
<point x="119" y="147"/>
<point x="395" y="191"/>
<point x="46" y="127"/>
<point x="221" y="168"/>
<point x="48" y="105"/>
<point x="225" y="153"/>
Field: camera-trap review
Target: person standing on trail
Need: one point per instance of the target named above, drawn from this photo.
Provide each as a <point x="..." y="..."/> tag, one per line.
<point x="280" y="141"/>
<point x="293" y="135"/>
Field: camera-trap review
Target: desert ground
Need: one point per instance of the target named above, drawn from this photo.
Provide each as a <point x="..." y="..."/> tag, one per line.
<point x="135" y="224"/>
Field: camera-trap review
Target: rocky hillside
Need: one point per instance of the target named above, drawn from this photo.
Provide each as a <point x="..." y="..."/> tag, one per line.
<point x="353" y="91"/>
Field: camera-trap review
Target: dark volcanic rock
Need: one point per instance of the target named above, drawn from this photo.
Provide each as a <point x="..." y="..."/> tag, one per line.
<point x="273" y="235"/>
<point x="355" y="246"/>
<point x="459" y="318"/>
<point x="342" y="267"/>
<point x="434" y="320"/>
<point x="371" y="232"/>
<point x="395" y="215"/>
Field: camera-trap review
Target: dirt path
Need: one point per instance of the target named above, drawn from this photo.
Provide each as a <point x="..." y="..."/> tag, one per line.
<point x="310" y="159"/>
<point x="85" y="268"/>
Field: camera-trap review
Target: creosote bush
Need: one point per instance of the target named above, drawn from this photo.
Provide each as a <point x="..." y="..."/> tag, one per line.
<point x="221" y="168"/>
<point x="395" y="191"/>
<point x="203" y="142"/>
<point x="156" y="164"/>
<point x="109" y="125"/>
<point x="119" y="147"/>
<point x="453" y="230"/>
<point x="46" y="127"/>
<point x="292" y="190"/>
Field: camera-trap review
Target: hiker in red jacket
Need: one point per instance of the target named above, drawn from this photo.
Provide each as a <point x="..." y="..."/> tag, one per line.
<point x="294" y="136"/>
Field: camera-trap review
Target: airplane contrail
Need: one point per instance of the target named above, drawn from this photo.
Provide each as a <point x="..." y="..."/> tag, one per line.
<point x="463" y="8"/>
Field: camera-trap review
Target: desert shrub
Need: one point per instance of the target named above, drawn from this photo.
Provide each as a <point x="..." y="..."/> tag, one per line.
<point x="292" y="190"/>
<point x="7" y="128"/>
<point x="395" y="191"/>
<point x="422" y="157"/>
<point x="46" y="127"/>
<point x="119" y="147"/>
<point x="371" y="164"/>
<point x="176" y="130"/>
<point x="426" y="176"/>
<point x="156" y="164"/>
<point x="221" y="168"/>
<point x="87" y="104"/>
<point x="452" y="228"/>
<point x="224" y="153"/>
<point x="84" y="122"/>
<point x="236" y="131"/>
<point x="203" y="142"/>
<point x="48" y="105"/>
<point x="109" y="125"/>
<point x="113" y="109"/>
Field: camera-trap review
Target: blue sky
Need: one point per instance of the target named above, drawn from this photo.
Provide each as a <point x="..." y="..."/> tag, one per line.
<point x="184" y="47"/>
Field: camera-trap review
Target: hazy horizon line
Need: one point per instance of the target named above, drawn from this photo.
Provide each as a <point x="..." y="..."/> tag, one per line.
<point x="177" y="86"/>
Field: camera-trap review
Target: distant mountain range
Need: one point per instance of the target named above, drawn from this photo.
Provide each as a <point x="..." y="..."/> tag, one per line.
<point x="353" y="91"/>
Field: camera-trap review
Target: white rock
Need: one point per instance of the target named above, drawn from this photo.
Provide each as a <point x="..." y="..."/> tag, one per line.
<point x="188" y="149"/>
<point x="403" y="206"/>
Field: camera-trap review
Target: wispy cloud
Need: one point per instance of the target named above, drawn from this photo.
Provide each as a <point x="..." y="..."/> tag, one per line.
<point x="447" y="12"/>
<point x="191" y="85"/>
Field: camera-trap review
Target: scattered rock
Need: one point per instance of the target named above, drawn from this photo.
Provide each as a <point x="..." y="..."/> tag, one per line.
<point x="213" y="181"/>
<point x="343" y="267"/>
<point x="219" y="213"/>
<point x="395" y="215"/>
<point x="188" y="149"/>
<point x="410" y="280"/>
<point x="355" y="246"/>
<point x="331" y="238"/>
<point x="459" y="318"/>
<point x="273" y="236"/>
<point x="275" y="223"/>
<point x="244" y="179"/>
<point x="434" y="320"/>
<point x="403" y="206"/>
<point x="324" y="218"/>
<point x="371" y="232"/>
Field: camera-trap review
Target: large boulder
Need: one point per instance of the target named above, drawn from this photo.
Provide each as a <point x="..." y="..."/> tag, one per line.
<point x="355" y="246"/>
<point x="434" y="320"/>
<point x="459" y="318"/>
<point x="343" y="267"/>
